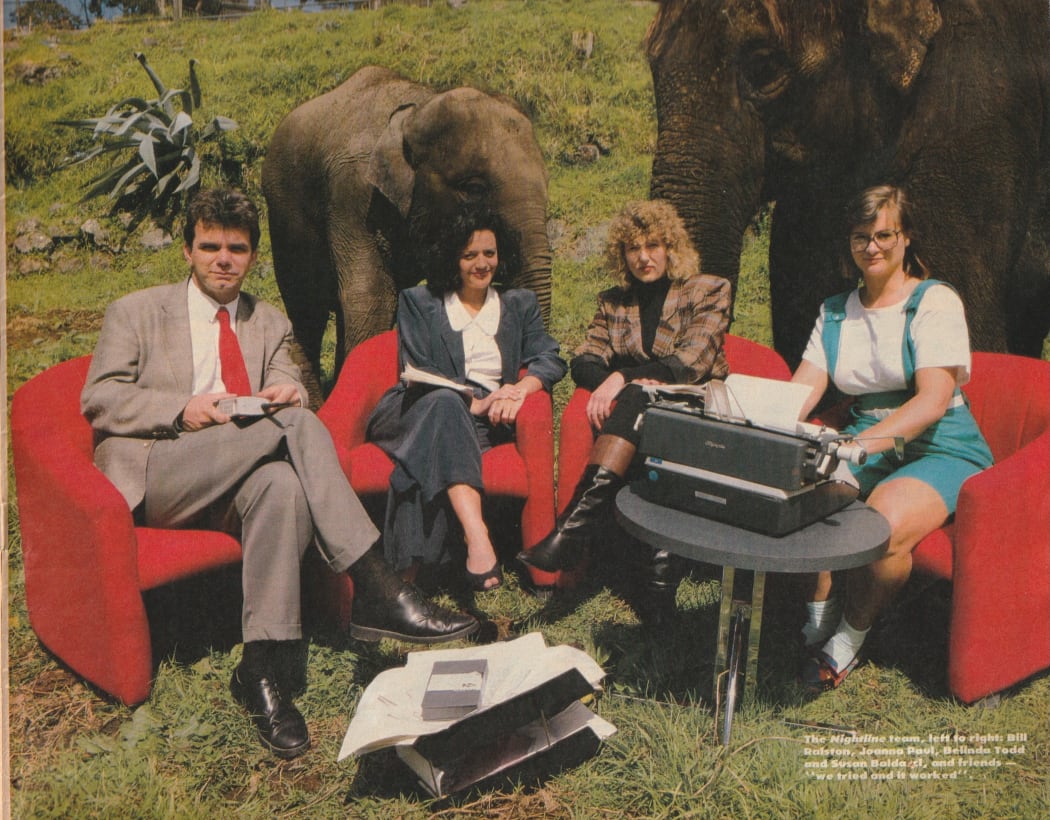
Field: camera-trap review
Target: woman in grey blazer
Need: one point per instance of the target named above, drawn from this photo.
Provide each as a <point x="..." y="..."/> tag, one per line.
<point x="461" y="327"/>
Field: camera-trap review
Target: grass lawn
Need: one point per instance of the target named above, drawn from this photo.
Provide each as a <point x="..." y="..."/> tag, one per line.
<point x="189" y="751"/>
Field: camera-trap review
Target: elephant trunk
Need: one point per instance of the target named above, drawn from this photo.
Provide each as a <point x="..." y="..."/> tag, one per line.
<point x="531" y="223"/>
<point x="713" y="182"/>
<point x="714" y="216"/>
<point x="710" y="150"/>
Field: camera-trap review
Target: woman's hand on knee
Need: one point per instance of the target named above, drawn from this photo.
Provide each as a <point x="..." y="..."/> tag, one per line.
<point x="600" y="404"/>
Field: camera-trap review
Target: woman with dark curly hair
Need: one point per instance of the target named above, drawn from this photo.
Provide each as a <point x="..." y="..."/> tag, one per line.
<point x="664" y="323"/>
<point x="461" y="327"/>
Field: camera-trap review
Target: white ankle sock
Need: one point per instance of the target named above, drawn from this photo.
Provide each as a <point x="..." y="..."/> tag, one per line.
<point x="845" y="644"/>
<point x="823" y="617"/>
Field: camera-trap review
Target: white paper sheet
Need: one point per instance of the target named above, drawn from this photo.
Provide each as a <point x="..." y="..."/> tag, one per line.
<point x="390" y="710"/>
<point x="413" y="375"/>
<point x="768" y="403"/>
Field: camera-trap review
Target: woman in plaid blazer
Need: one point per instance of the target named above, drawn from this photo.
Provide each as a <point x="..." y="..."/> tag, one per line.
<point x="664" y="323"/>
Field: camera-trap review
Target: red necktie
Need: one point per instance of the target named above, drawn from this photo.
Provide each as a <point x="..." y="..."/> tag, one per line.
<point x="231" y="361"/>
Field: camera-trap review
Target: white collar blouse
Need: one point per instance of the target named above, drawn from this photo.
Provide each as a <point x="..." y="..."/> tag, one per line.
<point x="484" y="364"/>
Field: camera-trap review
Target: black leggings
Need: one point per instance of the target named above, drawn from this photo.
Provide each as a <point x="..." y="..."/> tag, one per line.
<point x="631" y="402"/>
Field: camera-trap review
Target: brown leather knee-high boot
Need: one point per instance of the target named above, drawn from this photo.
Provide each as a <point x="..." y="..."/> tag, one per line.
<point x="604" y="476"/>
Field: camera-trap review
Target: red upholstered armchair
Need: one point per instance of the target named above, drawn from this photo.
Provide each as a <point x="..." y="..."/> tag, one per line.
<point x="523" y="469"/>
<point x="86" y="563"/>
<point x="996" y="551"/>
<point x="575" y="437"/>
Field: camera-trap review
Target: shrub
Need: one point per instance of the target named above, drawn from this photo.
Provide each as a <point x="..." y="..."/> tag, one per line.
<point x="163" y="142"/>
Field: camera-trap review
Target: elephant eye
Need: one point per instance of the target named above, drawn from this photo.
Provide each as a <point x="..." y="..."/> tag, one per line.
<point x="474" y="188"/>
<point x="764" y="73"/>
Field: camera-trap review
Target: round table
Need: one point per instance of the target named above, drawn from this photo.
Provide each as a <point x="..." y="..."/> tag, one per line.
<point x="854" y="536"/>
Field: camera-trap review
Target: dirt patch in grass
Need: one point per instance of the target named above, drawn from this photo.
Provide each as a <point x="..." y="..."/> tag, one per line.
<point x="48" y="713"/>
<point x="25" y="329"/>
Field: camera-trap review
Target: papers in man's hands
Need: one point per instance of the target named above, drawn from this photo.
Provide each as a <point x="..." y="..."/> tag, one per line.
<point x="768" y="403"/>
<point x="245" y="406"/>
<point x="413" y="375"/>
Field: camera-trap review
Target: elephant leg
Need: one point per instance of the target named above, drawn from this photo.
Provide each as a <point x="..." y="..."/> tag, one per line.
<point x="802" y="273"/>
<point x="367" y="296"/>
<point x="1028" y="293"/>
<point x="304" y="278"/>
<point x="307" y="305"/>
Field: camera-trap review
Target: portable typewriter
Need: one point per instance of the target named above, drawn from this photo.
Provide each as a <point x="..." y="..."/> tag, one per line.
<point x="718" y="465"/>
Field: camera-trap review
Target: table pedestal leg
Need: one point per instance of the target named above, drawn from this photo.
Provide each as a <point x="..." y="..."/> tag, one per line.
<point x="736" y="616"/>
<point x="725" y="612"/>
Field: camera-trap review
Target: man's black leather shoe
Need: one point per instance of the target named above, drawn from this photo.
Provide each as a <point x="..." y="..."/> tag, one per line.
<point x="407" y="617"/>
<point x="281" y="726"/>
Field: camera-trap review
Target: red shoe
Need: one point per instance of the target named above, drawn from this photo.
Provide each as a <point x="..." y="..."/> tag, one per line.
<point x="820" y="675"/>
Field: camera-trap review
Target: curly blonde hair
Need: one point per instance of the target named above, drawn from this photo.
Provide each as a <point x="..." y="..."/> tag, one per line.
<point x="642" y="220"/>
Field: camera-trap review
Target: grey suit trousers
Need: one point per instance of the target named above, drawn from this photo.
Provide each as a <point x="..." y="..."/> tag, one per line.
<point x="276" y="482"/>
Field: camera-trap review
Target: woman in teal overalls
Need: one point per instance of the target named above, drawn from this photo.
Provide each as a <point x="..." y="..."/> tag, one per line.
<point x="899" y="344"/>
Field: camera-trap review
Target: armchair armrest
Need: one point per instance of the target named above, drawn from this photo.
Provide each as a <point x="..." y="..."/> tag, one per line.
<point x="368" y="371"/>
<point x="80" y="553"/>
<point x="1002" y="545"/>
<point x="575" y="440"/>
<point x="534" y="439"/>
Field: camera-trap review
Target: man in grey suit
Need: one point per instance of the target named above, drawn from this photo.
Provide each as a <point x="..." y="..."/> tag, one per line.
<point x="166" y="359"/>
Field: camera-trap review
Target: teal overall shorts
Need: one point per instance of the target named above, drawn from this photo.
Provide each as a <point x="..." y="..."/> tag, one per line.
<point x="947" y="453"/>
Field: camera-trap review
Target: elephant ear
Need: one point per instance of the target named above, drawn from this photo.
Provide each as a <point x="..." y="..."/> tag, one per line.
<point x="900" y="31"/>
<point x="389" y="171"/>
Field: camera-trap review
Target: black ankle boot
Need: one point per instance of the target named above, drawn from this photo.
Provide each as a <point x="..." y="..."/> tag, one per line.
<point x="281" y="726"/>
<point x="660" y="578"/>
<point x="663" y="572"/>
<point x="387" y="607"/>
<point x="574" y="529"/>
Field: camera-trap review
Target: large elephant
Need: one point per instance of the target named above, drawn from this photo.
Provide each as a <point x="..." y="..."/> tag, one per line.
<point x="804" y="103"/>
<point x="351" y="175"/>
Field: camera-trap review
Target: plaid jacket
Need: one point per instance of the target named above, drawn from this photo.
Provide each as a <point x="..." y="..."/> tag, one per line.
<point x="688" y="339"/>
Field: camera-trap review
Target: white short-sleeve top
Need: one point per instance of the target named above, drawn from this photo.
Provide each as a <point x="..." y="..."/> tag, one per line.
<point x="869" y="356"/>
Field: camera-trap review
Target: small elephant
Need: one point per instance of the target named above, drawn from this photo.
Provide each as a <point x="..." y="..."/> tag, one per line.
<point x="805" y="103"/>
<point x="352" y="174"/>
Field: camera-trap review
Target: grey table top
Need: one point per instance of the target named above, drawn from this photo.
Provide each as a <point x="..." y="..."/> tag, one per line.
<point x="852" y="537"/>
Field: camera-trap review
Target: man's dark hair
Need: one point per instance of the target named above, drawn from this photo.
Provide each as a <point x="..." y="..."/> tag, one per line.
<point x="224" y="208"/>
<point x="443" y="273"/>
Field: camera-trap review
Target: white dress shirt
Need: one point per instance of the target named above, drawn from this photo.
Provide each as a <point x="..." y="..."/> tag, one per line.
<point x="204" y="334"/>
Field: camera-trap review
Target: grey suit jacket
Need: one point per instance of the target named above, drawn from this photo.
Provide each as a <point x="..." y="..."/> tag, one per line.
<point x="141" y="374"/>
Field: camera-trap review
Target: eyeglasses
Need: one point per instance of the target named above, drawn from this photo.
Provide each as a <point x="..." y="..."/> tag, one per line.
<point x="884" y="240"/>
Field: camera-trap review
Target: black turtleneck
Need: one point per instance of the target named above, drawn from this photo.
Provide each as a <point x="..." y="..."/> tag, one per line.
<point x="651" y="297"/>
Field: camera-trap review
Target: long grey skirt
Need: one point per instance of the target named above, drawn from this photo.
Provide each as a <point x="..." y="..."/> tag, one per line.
<point x="434" y="442"/>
